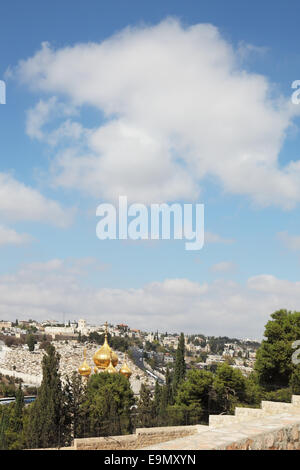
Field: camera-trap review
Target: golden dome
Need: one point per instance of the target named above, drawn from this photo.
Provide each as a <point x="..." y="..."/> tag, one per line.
<point x="125" y="370"/>
<point x="105" y="354"/>
<point x="84" y="370"/>
<point x="110" y="369"/>
<point x="114" y="358"/>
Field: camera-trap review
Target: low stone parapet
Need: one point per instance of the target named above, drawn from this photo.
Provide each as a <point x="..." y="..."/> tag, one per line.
<point x="142" y="437"/>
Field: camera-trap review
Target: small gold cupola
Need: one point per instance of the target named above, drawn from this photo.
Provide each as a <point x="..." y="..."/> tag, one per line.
<point x="85" y="370"/>
<point x="110" y="369"/>
<point x="125" y="370"/>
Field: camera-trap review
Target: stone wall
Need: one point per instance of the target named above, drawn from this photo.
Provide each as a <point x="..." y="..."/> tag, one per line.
<point x="143" y="437"/>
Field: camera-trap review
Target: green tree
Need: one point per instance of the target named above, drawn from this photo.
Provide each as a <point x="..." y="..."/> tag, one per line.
<point x="4" y="425"/>
<point x="295" y="380"/>
<point x="46" y="418"/>
<point x="146" y="408"/>
<point x="11" y="423"/>
<point x="281" y="394"/>
<point x="229" y="360"/>
<point x="253" y="391"/>
<point x="30" y="341"/>
<point x="109" y="399"/>
<point x="274" y="357"/>
<point x="157" y="398"/>
<point x="14" y="433"/>
<point x="75" y="395"/>
<point x="194" y="392"/>
<point x="180" y="366"/>
<point x="166" y="395"/>
<point x="230" y="388"/>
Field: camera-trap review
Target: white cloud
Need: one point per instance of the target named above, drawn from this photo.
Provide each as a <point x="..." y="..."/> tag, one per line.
<point x="20" y="202"/>
<point x="9" y="236"/>
<point x="43" y="113"/>
<point x="131" y="164"/>
<point x="46" y="290"/>
<point x="290" y="241"/>
<point x="48" y="266"/>
<point x="179" y="107"/>
<point x="38" y="116"/>
<point x="67" y="130"/>
<point x="211" y="237"/>
<point x="278" y="289"/>
<point x="223" y="266"/>
<point x="57" y="271"/>
<point x="245" y="50"/>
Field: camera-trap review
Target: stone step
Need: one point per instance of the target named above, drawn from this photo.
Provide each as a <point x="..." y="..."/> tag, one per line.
<point x="249" y="413"/>
<point x="296" y="400"/>
<point x="219" y="421"/>
<point x="243" y="414"/>
<point x="272" y="407"/>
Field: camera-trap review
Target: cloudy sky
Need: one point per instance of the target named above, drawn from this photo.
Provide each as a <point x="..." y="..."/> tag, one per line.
<point x="161" y="101"/>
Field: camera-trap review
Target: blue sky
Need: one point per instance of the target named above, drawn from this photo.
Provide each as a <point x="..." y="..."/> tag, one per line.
<point x="101" y="98"/>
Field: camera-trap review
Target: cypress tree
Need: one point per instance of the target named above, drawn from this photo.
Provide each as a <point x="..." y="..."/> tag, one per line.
<point x="14" y="431"/>
<point x="157" y="398"/>
<point x="46" y="420"/>
<point x="4" y="424"/>
<point x="145" y="407"/>
<point x="180" y="366"/>
<point x="18" y="411"/>
<point x="75" y="394"/>
<point x="168" y="388"/>
<point x="166" y="396"/>
<point x="30" y="341"/>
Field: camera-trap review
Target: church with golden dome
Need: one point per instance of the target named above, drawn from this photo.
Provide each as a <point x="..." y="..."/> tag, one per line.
<point x="105" y="360"/>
